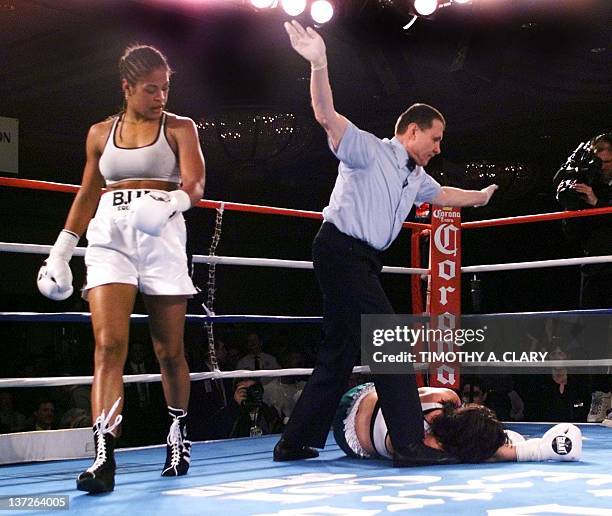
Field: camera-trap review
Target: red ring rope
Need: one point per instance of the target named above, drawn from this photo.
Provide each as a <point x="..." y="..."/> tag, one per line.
<point x="204" y="203"/>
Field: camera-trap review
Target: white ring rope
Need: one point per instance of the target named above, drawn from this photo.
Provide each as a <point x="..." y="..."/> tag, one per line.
<point x="9" y="247"/>
<point x="149" y="378"/>
<point x="286" y="264"/>
<point x="273" y="373"/>
<point x="563" y="262"/>
<point x="300" y="264"/>
<point x="78" y="317"/>
<point x="295" y="264"/>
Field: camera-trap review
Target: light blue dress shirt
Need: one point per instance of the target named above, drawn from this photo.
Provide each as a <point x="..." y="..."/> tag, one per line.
<point x="375" y="190"/>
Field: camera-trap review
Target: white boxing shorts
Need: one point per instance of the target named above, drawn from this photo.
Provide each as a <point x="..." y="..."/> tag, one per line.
<point x="118" y="253"/>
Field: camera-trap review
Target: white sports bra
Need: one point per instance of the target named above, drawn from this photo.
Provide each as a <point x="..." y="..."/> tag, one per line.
<point x="155" y="162"/>
<point x="378" y="427"/>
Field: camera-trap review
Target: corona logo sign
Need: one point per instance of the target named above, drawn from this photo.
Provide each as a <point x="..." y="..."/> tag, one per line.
<point x="446" y="376"/>
<point x="445" y="300"/>
<point x="445" y="238"/>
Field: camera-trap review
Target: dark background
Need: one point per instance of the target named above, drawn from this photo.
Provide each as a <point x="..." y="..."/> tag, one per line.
<point x="518" y="81"/>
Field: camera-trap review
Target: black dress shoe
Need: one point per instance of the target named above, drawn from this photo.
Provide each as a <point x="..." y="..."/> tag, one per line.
<point x="417" y="454"/>
<point x="284" y="451"/>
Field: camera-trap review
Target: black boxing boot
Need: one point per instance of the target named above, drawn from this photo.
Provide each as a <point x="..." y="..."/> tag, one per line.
<point x="178" y="448"/>
<point x="417" y="454"/>
<point x="100" y="476"/>
<point x="283" y="451"/>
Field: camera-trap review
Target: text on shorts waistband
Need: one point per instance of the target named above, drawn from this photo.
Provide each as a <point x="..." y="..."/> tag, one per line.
<point x="121" y="199"/>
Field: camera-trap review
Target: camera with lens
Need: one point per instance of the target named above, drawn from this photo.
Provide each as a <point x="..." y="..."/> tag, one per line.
<point x="582" y="166"/>
<point x="254" y="396"/>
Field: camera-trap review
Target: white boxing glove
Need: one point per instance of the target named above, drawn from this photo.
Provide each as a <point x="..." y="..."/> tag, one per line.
<point x="563" y="442"/>
<point x="54" y="277"/>
<point x="150" y="213"/>
<point x="514" y="437"/>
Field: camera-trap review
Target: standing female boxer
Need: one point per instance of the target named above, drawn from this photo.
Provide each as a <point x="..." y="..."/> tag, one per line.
<point x="152" y="166"/>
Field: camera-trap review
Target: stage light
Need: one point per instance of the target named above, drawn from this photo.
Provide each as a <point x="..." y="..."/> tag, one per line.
<point x="321" y="11"/>
<point x="293" y="7"/>
<point x="425" y="7"/>
<point x="262" y="4"/>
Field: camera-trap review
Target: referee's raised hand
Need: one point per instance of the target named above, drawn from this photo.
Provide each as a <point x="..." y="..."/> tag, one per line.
<point x="308" y="43"/>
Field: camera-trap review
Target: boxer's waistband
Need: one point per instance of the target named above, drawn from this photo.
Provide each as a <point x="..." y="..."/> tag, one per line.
<point x="120" y="200"/>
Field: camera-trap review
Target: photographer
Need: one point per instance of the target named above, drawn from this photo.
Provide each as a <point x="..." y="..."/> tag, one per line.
<point x="583" y="182"/>
<point x="247" y="415"/>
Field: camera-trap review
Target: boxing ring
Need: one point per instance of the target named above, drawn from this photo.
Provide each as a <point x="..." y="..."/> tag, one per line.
<point x="238" y="476"/>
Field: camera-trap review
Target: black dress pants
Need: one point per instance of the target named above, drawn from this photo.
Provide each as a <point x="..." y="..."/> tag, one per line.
<point x="348" y="273"/>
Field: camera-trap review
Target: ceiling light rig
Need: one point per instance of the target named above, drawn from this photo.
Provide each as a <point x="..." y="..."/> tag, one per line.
<point x="263" y="4"/>
<point x="425" y="8"/>
<point x="293" y="7"/>
<point x="321" y="11"/>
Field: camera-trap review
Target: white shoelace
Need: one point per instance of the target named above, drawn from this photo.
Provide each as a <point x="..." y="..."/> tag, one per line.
<point x="175" y="441"/>
<point x="102" y="427"/>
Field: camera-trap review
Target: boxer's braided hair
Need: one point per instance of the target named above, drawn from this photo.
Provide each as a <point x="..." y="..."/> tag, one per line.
<point x="136" y="62"/>
<point x="139" y="60"/>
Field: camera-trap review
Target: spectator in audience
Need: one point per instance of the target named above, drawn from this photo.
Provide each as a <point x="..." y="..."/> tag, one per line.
<point x="472" y="391"/>
<point x="585" y="182"/>
<point x="256" y="359"/>
<point x="136" y="364"/>
<point x="75" y="418"/>
<point x="74" y="406"/>
<point x="147" y="424"/>
<point x="209" y="397"/>
<point x="507" y="404"/>
<point x="233" y="356"/>
<point x="10" y="420"/>
<point x="555" y="397"/>
<point x="283" y="392"/>
<point x="43" y="418"/>
<point x="247" y="415"/>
